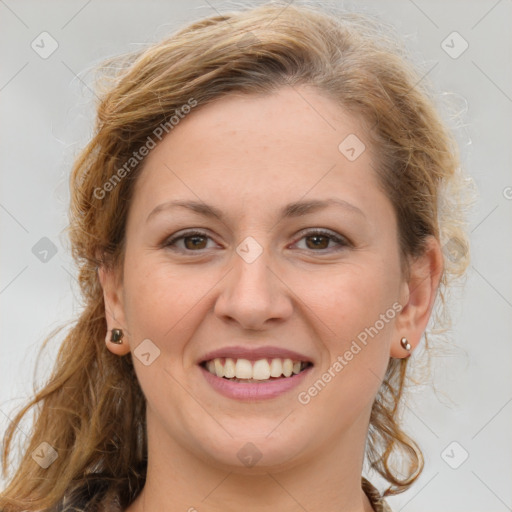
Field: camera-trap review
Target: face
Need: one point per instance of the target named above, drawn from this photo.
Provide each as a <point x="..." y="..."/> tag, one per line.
<point x="323" y="281"/>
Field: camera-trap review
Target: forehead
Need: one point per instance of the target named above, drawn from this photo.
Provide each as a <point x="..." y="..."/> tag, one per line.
<point x="299" y="119"/>
<point x="258" y="150"/>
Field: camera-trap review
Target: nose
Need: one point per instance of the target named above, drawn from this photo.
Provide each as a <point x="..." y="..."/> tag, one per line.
<point x="253" y="295"/>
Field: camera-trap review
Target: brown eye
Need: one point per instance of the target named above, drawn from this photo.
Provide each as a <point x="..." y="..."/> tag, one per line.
<point x="191" y="241"/>
<point x="194" y="242"/>
<point x="318" y="242"/>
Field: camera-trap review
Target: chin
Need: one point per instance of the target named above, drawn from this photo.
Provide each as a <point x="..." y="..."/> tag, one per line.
<point x="254" y="454"/>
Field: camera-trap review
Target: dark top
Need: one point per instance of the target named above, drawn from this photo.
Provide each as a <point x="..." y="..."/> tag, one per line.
<point x="113" y="504"/>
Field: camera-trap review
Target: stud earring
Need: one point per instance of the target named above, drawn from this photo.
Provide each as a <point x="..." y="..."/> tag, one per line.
<point x="405" y="344"/>
<point x="116" y="336"/>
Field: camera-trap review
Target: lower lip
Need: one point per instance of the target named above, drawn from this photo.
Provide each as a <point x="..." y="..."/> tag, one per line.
<point x="253" y="391"/>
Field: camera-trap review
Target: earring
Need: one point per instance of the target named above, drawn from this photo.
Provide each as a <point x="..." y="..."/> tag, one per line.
<point x="116" y="336"/>
<point x="405" y="344"/>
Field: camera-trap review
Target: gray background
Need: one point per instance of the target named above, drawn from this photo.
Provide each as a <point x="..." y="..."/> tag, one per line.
<point x="46" y="110"/>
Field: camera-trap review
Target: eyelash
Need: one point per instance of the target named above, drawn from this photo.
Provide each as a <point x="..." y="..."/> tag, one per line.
<point x="342" y="241"/>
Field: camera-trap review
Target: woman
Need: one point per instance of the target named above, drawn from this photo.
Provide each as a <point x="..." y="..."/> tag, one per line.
<point x="259" y="222"/>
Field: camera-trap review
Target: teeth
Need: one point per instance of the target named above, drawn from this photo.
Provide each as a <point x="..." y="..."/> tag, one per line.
<point x="276" y="368"/>
<point x="287" y="367"/>
<point x="260" y="370"/>
<point x="243" y="369"/>
<point x="229" y="369"/>
<point x="218" y="366"/>
<point x="257" y="370"/>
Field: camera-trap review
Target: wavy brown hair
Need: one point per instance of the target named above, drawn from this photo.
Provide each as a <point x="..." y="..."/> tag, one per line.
<point x="92" y="409"/>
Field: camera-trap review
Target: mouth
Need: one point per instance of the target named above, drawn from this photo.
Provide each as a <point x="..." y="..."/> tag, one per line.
<point x="259" y="371"/>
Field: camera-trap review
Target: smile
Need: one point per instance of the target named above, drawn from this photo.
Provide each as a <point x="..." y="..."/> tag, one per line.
<point x="243" y="370"/>
<point x="242" y="379"/>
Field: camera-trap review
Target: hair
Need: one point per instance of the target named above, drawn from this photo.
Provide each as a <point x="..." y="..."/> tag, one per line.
<point x="91" y="410"/>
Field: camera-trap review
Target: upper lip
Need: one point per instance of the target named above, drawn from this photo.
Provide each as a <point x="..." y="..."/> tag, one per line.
<point x="253" y="354"/>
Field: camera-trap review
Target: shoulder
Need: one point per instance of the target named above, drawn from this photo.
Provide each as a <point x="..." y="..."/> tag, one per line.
<point x="88" y="502"/>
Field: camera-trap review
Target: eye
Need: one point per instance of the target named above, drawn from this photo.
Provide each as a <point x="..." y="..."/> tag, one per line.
<point x="192" y="241"/>
<point x="196" y="241"/>
<point x="319" y="239"/>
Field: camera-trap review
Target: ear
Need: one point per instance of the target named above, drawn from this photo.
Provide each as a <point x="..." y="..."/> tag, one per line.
<point x="111" y="282"/>
<point x="417" y="298"/>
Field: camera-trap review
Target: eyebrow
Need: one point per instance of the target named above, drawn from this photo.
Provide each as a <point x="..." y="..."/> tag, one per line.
<point x="291" y="210"/>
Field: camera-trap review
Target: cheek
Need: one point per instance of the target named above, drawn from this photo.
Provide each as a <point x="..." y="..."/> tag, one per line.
<point x="351" y="297"/>
<point x="161" y="301"/>
<point x="354" y="307"/>
<point x="355" y="318"/>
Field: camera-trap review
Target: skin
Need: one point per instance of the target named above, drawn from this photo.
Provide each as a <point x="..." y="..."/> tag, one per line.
<point x="248" y="156"/>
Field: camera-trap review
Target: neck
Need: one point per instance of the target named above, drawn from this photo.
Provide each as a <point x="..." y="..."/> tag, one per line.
<point x="178" y="480"/>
